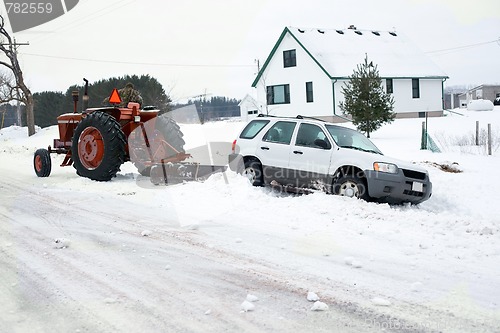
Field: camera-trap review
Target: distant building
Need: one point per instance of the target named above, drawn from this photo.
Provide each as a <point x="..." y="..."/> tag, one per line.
<point x="487" y="92"/>
<point x="249" y="108"/>
<point x="306" y="69"/>
<point x="452" y="100"/>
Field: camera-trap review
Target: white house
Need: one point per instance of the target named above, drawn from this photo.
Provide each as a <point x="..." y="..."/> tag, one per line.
<point x="306" y="69"/>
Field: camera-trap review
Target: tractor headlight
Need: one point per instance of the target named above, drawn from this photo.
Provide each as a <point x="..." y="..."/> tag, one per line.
<point x="385" y="167"/>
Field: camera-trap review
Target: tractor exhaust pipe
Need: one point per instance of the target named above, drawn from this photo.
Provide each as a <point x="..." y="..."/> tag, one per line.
<point x="75" y="94"/>
<point x="85" y="100"/>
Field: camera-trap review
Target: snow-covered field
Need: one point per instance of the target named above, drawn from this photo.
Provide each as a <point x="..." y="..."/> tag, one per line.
<point x="221" y="255"/>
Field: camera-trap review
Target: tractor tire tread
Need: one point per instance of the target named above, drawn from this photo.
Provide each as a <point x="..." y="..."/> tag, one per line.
<point x="114" y="151"/>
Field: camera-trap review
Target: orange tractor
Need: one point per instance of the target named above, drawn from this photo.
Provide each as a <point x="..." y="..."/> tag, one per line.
<point x="99" y="140"/>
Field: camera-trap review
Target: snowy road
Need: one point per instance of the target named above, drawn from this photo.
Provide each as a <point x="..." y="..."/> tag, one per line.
<point x="183" y="258"/>
<point x="111" y="278"/>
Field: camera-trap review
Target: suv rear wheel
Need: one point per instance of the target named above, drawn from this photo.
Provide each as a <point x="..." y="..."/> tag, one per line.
<point x="253" y="171"/>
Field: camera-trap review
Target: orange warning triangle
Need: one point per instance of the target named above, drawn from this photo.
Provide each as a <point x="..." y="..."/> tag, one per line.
<point x="114" y="98"/>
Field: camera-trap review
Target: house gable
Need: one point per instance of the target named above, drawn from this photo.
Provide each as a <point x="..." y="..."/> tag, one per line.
<point x="273" y="52"/>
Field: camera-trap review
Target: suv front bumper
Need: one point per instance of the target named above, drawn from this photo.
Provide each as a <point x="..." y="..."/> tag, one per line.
<point x="399" y="188"/>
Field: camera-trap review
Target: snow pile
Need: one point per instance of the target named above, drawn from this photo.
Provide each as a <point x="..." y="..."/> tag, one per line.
<point x="252" y="298"/>
<point x="146" y="233"/>
<point x="319" y="306"/>
<point x="379" y="301"/>
<point x="61" y="243"/>
<point x="247" y="306"/>
<point x="312" y="297"/>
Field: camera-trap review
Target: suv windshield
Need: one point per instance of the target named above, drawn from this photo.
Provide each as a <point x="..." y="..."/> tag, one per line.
<point x="348" y="138"/>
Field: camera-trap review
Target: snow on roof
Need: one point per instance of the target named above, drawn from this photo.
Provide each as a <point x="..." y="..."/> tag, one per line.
<point x="340" y="51"/>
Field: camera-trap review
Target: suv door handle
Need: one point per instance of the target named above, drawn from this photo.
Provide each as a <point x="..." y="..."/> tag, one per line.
<point x="298" y="152"/>
<point x="264" y="148"/>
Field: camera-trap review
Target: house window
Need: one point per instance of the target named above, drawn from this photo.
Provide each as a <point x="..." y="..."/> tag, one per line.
<point x="309" y="92"/>
<point x="415" y="87"/>
<point x="388" y="86"/>
<point x="278" y="94"/>
<point x="289" y="58"/>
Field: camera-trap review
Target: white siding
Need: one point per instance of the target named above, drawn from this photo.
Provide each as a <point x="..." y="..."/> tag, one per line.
<point x="430" y="96"/>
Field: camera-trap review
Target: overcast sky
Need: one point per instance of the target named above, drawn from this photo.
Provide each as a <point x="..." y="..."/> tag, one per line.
<point x="195" y="47"/>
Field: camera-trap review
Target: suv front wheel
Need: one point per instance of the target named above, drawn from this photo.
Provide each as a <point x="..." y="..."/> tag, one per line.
<point x="351" y="186"/>
<point x="253" y="171"/>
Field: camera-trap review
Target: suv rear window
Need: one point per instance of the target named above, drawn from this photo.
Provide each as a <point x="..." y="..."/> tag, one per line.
<point x="253" y="128"/>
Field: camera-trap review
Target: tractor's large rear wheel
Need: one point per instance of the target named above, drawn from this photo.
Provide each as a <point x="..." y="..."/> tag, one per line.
<point x="166" y="129"/>
<point x="98" y="147"/>
<point x="171" y="132"/>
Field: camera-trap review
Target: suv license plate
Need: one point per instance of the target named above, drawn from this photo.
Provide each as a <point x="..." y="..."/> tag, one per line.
<point x="417" y="187"/>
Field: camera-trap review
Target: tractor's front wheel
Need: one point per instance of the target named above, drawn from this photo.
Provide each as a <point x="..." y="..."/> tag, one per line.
<point x="98" y="147"/>
<point x="42" y="163"/>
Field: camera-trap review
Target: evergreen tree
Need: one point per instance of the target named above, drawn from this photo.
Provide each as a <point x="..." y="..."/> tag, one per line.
<point x="8" y="115"/>
<point x="151" y="90"/>
<point x="365" y="99"/>
<point x="48" y="106"/>
<point x="217" y="107"/>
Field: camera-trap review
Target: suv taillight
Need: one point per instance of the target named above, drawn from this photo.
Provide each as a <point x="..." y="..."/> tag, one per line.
<point x="233" y="147"/>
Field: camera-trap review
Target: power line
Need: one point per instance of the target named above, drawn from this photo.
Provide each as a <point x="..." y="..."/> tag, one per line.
<point x="80" y="22"/>
<point x="458" y="48"/>
<point x="132" y="63"/>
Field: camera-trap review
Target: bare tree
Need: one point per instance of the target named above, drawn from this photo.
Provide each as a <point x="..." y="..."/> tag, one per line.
<point x="13" y="88"/>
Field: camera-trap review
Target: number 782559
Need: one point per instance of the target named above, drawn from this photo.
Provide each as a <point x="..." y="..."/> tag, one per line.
<point x="29" y="7"/>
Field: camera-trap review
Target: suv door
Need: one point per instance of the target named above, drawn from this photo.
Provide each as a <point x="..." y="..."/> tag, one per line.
<point x="310" y="155"/>
<point x="274" y="150"/>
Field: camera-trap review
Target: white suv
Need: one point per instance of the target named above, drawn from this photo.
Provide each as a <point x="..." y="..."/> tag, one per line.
<point x="309" y="153"/>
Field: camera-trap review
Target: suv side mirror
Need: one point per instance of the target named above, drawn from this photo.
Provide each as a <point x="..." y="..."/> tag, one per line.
<point x="322" y="144"/>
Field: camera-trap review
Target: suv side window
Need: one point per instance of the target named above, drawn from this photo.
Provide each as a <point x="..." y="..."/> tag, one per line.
<point x="281" y="132"/>
<point x="253" y="128"/>
<point x="308" y="133"/>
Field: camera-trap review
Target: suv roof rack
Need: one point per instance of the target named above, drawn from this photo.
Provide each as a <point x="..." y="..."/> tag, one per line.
<point x="261" y="115"/>
<point x="305" y="117"/>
